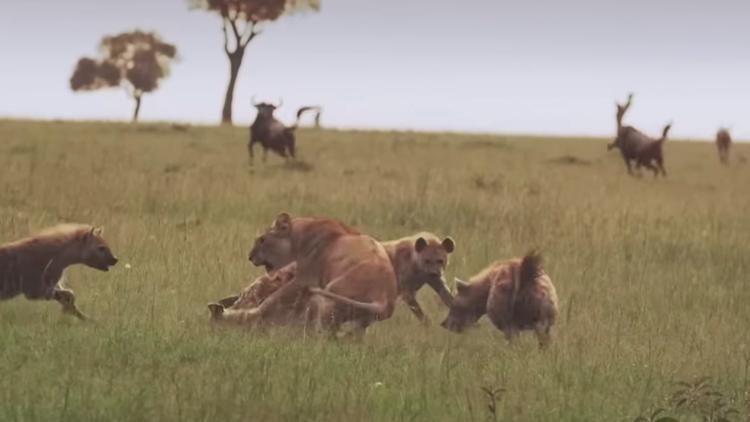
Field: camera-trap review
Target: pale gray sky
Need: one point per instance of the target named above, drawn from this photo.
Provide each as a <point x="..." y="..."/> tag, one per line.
<point x="475" y="65"/>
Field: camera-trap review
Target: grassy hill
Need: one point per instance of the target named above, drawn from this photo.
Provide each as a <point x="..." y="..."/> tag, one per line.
<point x="652" y="275"/>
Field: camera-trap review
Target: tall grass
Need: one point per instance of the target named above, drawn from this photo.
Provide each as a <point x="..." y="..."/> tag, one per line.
<point x="651" y="275"/>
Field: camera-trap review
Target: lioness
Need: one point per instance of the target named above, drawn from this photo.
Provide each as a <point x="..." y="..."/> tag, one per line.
<point x="34" y="266"/>
<point x="271" y="259"/>
<point x="349" y="272"/>
<point x="516" y="295"/>
<point x="417" y="260"/>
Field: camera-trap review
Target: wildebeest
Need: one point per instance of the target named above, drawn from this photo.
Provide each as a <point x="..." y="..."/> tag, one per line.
<point x="271" y="133"/>
<point x="723" y="143"/>
<point x="34" y="266"/>
<point x="516" y="295"/>
<point x="636" y="146"/>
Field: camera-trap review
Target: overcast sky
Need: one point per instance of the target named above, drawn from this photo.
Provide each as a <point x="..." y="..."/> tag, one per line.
<point x="526" y="66"/>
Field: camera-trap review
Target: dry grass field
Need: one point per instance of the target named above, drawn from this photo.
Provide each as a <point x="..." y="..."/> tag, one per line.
<point x="652" y="277"/>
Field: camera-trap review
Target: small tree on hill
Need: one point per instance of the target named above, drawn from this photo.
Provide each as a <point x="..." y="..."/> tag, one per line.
<point x="242" y="18"/>
<point x="134" y="60"/>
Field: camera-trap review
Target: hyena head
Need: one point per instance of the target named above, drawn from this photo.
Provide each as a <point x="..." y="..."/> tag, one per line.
<point x="94" y="251"/>
<point x="273" y="249"/>
<point x="469" y="304"/>
<point x="432" y="256"/>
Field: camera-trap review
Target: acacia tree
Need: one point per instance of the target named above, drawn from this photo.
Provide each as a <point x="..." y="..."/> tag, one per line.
<point x="242" y="19"/>
<point x="133" y="60"/>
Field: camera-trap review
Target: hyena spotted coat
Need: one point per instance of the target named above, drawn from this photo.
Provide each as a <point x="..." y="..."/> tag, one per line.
<point x="34" y="266"/>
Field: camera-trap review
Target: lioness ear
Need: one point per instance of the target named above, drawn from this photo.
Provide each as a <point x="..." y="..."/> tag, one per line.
<point x="449" y="245"/>
<point x="283" y="222"/>
<point x="420" y="244"/>
<point x="461" y="285"/>
<point x="97" y="231"/>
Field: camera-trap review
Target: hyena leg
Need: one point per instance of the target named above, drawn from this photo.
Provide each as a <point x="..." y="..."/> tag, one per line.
<point x="510" y="334"/>
<point x="359" y="329"/>
<point x="227" y="302"/>
<point x="235" y="317"/>
<point x="216" y="310"/>
<point x="543" y="335"/>
<point x="67" y="299"/>
<point x="411" y="301"/>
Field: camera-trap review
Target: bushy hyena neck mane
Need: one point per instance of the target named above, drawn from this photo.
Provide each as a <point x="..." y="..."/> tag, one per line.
<point x="48" y="242"/>
<point x="27" y="265"/>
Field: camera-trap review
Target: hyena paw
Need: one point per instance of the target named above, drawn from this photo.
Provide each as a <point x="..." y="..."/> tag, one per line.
<point x="216" y="310"/>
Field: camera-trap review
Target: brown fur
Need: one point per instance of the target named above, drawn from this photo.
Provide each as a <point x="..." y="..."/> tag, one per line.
<point x="418" y="260"/>
<point x="638" y="147"/>
<point x="350" y="273"/>
<point x="516" y="295"/>
<point x="34" y="266"/>
<point x="723" y="143"/>
<point x="416" y="263"/>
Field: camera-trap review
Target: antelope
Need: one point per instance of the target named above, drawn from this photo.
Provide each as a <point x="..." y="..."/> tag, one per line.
<point x="636" y="146"/>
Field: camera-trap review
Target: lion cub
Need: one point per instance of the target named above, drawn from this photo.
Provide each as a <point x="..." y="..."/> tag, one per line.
<point x="516" y="295"/>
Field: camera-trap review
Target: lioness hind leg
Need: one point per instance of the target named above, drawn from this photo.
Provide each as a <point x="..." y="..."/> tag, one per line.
<point x="321" y="316"/>
<point x="67" y="299"/>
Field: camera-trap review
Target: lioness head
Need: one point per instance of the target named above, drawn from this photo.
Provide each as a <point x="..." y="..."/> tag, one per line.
<point x="469" y="304"/>
<point x="94" y="251"/>
<point x="432" y="256"/>
<point x="273" y="249"/>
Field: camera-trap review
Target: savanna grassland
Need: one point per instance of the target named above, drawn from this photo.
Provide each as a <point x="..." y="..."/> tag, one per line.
<point x="652" y="276"/>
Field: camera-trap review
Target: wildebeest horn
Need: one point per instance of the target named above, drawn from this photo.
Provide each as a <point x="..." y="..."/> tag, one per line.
<point x="281" y="102"/>
<point x="255" y="103"/>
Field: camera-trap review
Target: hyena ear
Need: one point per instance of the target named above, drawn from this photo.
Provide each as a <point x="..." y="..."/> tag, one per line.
<point x="449" y="245"/>
<point x="89" y="235"/>
<point x="420" y="244"/>
<point x="461" y="285"/>
<point x="283" y="222"/>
